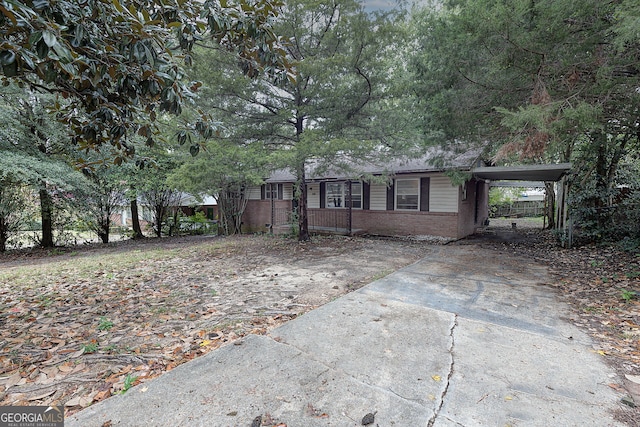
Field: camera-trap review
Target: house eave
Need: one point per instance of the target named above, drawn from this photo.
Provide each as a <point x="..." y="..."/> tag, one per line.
<point x="540" y="173"/>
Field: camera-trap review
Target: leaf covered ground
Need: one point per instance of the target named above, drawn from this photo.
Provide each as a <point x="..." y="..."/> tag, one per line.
<point x="81" y="324"/>
<point x="78" y="325"/>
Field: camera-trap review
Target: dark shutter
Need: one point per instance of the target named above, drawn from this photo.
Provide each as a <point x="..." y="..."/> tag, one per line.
<point x="322" y="195"/>
<point x="263" y="191"/>
<point x="366" y="196"/>
<point x="280" y="192"/>
<point x="424" y="194"/>
<point x="390" y="196"/>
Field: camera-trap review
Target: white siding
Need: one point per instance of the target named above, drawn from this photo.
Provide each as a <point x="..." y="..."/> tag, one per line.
<point x="287" y="191"/>
<point x="313" y="196"/>
<point x="378" y="197"/>
<point x="443" y="197"/>
<point x="254" y="193"/>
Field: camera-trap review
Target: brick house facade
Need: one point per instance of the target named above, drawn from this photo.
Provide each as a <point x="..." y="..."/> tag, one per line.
<point x="412" y="199"/>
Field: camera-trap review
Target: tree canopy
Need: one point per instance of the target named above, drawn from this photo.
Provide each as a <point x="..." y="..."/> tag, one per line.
<point x="541" y="80"/>
<point x="331" y="108"/>
<point x="121" y="62"/>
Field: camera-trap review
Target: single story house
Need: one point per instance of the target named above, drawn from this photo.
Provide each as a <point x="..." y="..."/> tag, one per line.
<point x="208" y="205"/>
<point x="402" y="198"/>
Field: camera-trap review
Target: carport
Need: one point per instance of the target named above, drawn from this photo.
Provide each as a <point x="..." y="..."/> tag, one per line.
<point x="555" y="173"/>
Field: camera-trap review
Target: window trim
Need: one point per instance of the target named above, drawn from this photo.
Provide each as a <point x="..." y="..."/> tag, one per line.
<point x="272" y="190"/>
<point x="395" y="195"/>
<point x="343" y="187"/>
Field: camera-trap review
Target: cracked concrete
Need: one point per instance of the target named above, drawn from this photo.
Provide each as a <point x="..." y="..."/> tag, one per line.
<point x="456" y="339"/>
<point x="454" y="323"/>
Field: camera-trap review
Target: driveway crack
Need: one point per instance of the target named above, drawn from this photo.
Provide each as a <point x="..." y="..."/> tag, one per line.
<point x="451" y="350"/>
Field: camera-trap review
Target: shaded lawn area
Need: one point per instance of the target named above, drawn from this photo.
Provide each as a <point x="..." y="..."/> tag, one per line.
<point x="78" y="325"/>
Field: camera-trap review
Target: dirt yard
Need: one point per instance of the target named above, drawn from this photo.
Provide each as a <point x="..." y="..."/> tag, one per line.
<point x="78" y="325"/>
<point x="81" y="324"/>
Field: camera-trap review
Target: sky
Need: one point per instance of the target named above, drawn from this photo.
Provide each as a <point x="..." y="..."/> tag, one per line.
<point x="385" y="5"/>
<point x="371" y="5"/>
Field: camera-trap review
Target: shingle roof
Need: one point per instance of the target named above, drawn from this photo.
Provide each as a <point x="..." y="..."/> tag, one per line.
<point x="434" y="160"/>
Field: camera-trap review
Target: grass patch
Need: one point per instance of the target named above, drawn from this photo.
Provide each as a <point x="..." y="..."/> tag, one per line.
<point x="108" y="266"/>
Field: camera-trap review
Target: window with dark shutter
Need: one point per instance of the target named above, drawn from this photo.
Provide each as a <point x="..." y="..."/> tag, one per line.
<point x="269" y="191"/>
<point x="391" y="196"/>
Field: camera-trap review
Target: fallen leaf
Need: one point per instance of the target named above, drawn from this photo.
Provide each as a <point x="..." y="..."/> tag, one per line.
<point x="633" y="378"/>
<point x="82" y="401"/>
<point x="77" y="354"/>
<point x="42" y="396"/>
<point x="436" y="377"/>
<point x="13" y="380"/>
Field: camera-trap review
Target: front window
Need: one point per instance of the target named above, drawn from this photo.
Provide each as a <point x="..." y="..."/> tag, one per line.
<point x="337" y="195"/>
<point x="408" y="194"/>
<point x="271" y="191"/>
<point x="356" y="195"/>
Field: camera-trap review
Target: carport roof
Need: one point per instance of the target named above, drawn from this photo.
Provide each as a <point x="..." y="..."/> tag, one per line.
<point x="552" y="172"/>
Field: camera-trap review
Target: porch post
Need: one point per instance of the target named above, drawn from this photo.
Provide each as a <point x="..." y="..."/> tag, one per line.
<point x="273" y="208"/>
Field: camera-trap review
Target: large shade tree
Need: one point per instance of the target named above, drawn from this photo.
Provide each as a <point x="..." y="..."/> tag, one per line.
<point x="121" y="61"/>
<point x="330" y="109"/>
<point x="543" y="80"/>
<point x="34" y="154"/>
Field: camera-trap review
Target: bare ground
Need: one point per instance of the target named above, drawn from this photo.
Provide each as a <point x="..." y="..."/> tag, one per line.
<point x="81" y="324"/>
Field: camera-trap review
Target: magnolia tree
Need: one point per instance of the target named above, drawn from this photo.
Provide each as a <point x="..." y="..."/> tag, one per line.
<point x="120" y="62"/>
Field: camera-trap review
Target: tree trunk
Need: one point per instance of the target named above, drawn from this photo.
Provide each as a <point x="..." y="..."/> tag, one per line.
<point x="135" y="220"/>
<point x="104" y="236"/>
<point x="46" y="214"/>
<point x="551" y="205"/>
<point x="158" y="220"/>
<point x="173" y="227"/>
<point x="3" y="235"/>
<point x="303" y="218"/>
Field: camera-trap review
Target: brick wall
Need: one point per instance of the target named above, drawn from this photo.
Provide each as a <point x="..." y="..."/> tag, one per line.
<point x="475" y="209"/>
<point x="393" y="223"/>
<point x="400" y="223"/>
<point x="258" y="213"/>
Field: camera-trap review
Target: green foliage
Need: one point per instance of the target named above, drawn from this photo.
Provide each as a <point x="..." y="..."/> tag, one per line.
<point x="628" y="295"/>
<point x="35" y="160"/>
<point x="503" y="195"/>
<point x="342" y="102"/>
<point x="121" y="61"/>
<point x="13" y="211"/>
<point x="89" y="348"/>
<point x="129" y="382"/>
<point x="225" y="171"/>
<point x="104" y="324"/>
<point x="197" y="224"/>
<point x="543" y="81"/>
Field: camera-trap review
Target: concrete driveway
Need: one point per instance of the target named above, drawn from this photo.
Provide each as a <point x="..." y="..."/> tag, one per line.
<point x="463" y="337"/>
